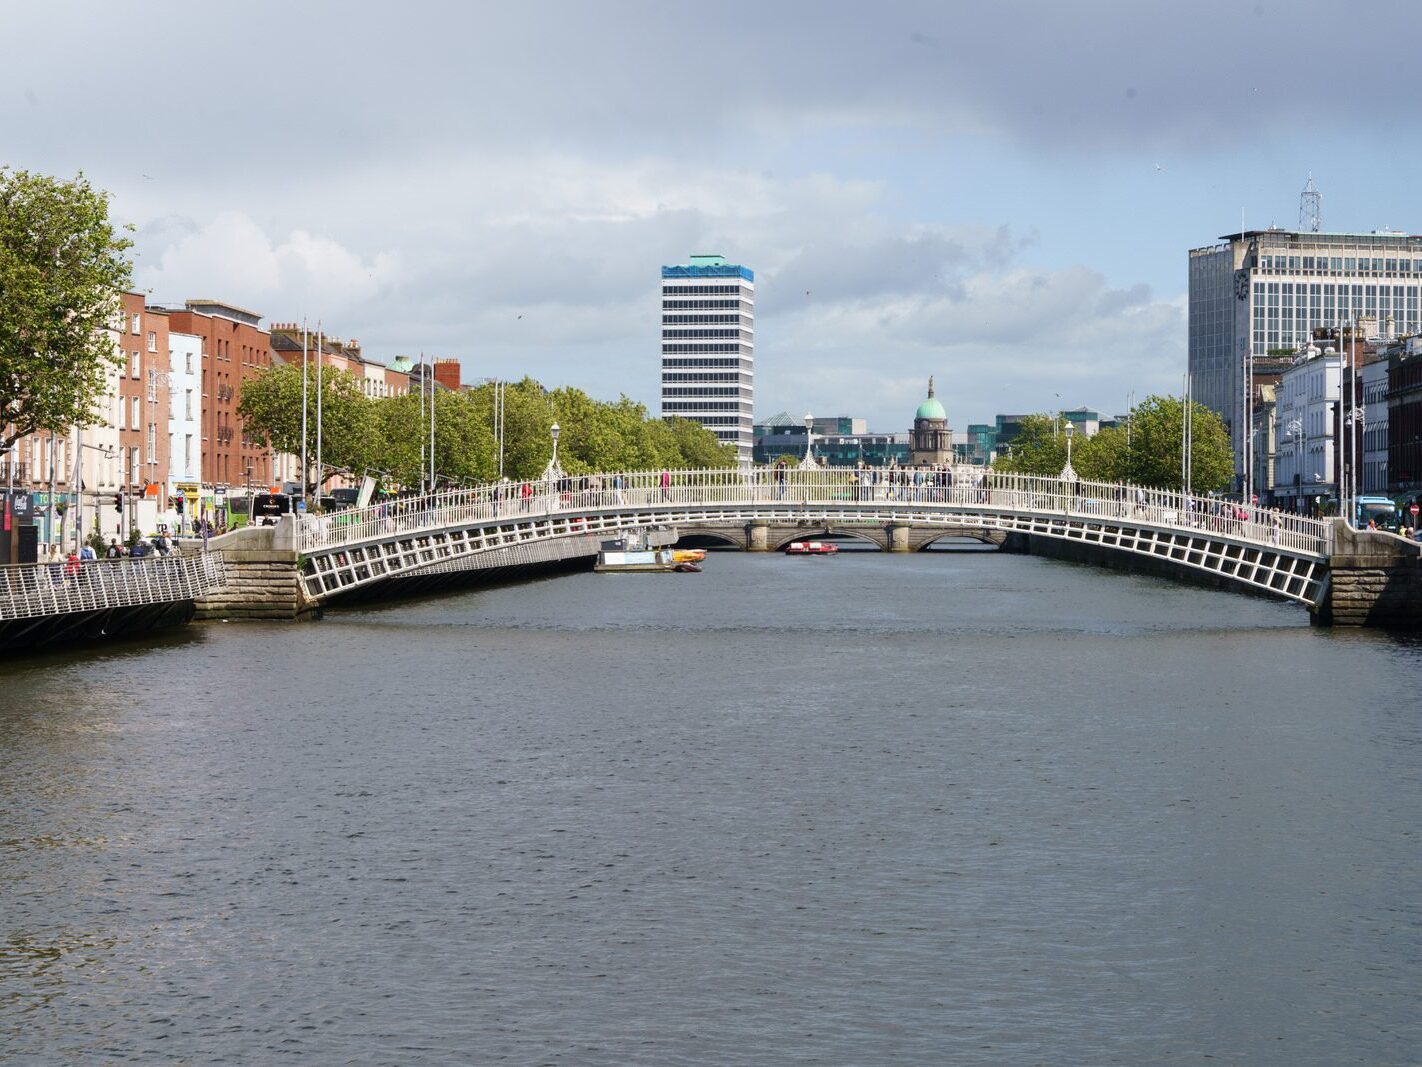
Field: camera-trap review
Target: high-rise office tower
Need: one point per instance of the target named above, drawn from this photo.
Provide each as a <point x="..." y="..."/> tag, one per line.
<point x="1263" y="292"/>
<point x="708" y="348"/>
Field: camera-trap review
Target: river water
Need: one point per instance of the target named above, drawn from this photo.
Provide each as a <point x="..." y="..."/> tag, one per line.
<point x="945" y="808"/>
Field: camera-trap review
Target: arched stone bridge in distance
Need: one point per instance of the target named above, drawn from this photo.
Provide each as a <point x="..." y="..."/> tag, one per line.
<point x="494" y="527"/>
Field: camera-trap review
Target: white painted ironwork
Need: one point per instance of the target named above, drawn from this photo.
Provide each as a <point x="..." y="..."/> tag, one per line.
<point x="1273" y="551"/>
<point x="58" y="588"/>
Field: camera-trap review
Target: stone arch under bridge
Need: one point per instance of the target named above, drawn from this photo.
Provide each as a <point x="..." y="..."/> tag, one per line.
<point x="888" y="537"/>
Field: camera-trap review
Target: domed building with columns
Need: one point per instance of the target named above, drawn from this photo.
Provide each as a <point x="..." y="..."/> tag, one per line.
<point x="932" y="442"/>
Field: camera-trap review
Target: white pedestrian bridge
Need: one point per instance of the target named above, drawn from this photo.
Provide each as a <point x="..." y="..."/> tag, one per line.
<point x="566" y="517"/>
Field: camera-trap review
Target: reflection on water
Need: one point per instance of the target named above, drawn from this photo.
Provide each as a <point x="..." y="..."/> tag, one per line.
<point x="955" y="807"/>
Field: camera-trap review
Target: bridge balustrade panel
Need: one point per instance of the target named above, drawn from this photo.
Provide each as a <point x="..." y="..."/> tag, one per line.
<point x="35" y="590"/>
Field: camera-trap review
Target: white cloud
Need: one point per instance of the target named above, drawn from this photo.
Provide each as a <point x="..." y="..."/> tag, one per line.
<point x="232" y="258"/>
<point x="547" y="264"/>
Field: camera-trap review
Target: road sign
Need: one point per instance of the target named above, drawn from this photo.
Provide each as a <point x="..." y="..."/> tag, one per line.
<point x="1414" y="509"/>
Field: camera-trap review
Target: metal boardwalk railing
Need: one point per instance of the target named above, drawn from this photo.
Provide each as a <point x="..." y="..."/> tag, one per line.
<point x="34" y="590"/>
<point x="865" y="493"/>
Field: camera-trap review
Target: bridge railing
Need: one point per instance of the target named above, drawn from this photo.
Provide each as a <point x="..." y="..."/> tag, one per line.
<point x="56" y="588"/>
<point x="905" y="492"/>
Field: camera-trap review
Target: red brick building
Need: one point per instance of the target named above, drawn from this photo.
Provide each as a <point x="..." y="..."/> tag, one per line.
<point x="234" y="349"/>
<point x="141" y="414"/>
<point x="446" y="373"/>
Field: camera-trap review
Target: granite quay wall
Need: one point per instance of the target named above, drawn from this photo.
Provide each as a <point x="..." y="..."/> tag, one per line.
<point x="262" y="579"/>
<point x="1374" y="579"/>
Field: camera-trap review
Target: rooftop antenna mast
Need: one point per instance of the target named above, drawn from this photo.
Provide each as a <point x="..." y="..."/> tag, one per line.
<point x="1310" y="208"/>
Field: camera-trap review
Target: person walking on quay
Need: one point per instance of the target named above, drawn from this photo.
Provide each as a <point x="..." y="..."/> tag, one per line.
<point x="55" y="564"/>
<point x="71" y="564"/>
<point x="114" y="551"/>
<point x="87" y="554"/>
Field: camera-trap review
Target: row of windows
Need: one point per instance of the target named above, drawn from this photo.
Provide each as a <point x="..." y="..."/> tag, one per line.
<point x="710" y="346"/>
<point x="731" y="320"/>
<point x="722" y="420"/>
<point x="745" y="362"/>
<point x="708" y="305"/>
<point x="714" y="390"/>
<point x="731" y="376"/>
<point x="675" y="406"/>
<point x="704" y="331"/>
<point x="1340" y="264"/>
<point x="1275" y="290"/>
<point x="1284" y="314"/>
<point x="700" y="290"/>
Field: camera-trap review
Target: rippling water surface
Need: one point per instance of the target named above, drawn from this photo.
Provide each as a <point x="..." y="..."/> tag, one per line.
<point x="948" y="808"/>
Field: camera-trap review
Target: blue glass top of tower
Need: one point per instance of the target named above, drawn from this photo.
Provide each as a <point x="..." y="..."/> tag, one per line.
<point x="709" y="267"/>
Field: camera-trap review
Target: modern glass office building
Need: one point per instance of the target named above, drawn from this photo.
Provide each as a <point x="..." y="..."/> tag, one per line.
<point x="708" y="348"/>
<point x="1263" y="292"/>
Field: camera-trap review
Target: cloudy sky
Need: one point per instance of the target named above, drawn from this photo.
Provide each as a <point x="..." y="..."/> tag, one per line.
<point x="998" y="194"/>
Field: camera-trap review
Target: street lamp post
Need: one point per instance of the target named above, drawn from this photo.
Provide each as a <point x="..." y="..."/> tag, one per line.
<point x="809" y="461"/>
<point x="553" y="472"/>
<point x="1068" y="473"/>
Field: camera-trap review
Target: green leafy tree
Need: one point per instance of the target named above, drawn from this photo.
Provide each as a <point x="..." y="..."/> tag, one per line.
<point x="270" y="407"/>
<point x="62" y="267"/>
<point x="1147" y="453"/>
<point x="1156" y="431"/>
<point x="1038" y="448"/>
<point x="1102" y="457"/>
<point x="697" y="448"/>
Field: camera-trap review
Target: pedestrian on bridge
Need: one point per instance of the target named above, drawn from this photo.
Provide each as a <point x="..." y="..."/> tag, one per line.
<point x="666" y="485"/>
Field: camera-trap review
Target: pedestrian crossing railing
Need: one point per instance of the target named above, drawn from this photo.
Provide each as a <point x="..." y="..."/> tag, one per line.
<point x="872" y="493"/>
<point x="67" y="586"/>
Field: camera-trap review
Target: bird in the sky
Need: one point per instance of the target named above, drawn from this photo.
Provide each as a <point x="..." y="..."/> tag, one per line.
<point x="1159" y="167"/>
<point x="520" y="316"/>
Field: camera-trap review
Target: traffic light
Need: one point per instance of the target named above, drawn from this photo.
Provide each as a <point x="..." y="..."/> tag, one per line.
<point x="178" y="502"/>
<point x="118" y="503"/>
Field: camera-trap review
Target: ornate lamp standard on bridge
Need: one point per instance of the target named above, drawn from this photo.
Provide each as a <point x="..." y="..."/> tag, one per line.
<point x="1068" y="474"/>
<point x="552" y="471"/>
<point x="808" y="463"/>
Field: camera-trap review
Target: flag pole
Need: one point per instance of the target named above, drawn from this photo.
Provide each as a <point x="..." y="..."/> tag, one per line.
<point x="319" y="468"/>
<point x="305" y="467"/>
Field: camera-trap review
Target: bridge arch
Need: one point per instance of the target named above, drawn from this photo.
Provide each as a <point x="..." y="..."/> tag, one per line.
<point x="879" y="538"/>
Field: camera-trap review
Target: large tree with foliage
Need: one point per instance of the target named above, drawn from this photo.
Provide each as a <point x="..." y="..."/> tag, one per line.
<point x="1038" y="448"/>
<point x="1145" y="450"/>
<point x="62" y="267"/>
<point x="1156" y="429"/>
<point x="270" y="408"/>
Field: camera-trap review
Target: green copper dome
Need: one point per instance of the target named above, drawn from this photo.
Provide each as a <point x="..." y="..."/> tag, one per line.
<point x="931" y="408"/>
